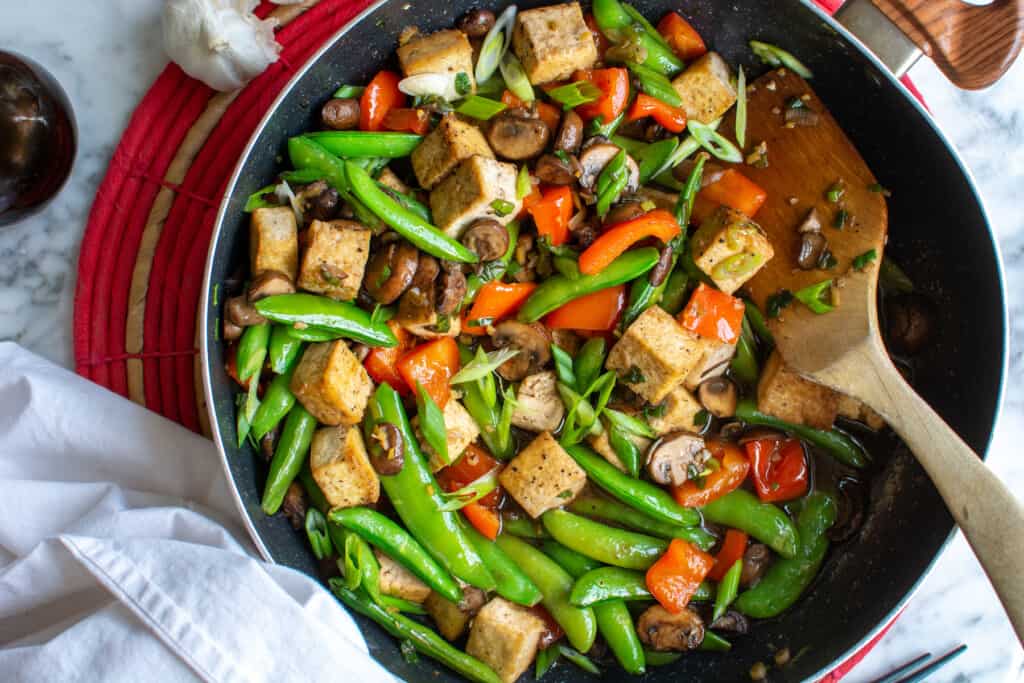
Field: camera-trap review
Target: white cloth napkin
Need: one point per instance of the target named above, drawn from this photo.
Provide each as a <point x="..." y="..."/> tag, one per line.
<point x="122" y="557"/>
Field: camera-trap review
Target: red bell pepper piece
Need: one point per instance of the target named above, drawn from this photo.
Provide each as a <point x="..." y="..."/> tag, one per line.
<point x="779" y="468"/>
<point x="496" y="301"/>
<point x="713" y="314"/>
<point x="674" y="578"/>
<point x="475" y="463"/>
<point x="681" y="37"/>
<point x="530" y="200"/>
<point x="380" y="96"/>
<point x="600" y="40"/>
<point x="405" y="120"/>
<point x="616" y="240"/>
<point x="382" y="363"/>
<point x="732" y="189"/>
<point x="431" y="365"/>
<point x="614" y="84"/>
<point x="733" y="548"/>
<point x="732" y="471"/>
<point x="671" y="118"/>
<point x="552" y="213"/>
<point x="511" y="100"/>
<point x="596" y="312"/>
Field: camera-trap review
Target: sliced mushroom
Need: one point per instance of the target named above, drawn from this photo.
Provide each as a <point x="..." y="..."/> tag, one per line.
<point x="812" y="248"/>
<point x="732" y="622"/>
<point x="909" y="322"/>
<point x="517" y="137"/>
<point x="595" y="157"/>
<point x="811" y="222"/>
<point x="719" y="396"/>
<point x="231" y="331"/>
<point x="555" y="171"/>
<point x="390" y="271"/>
<point x="662" y="267"/>
<point x="270" y="283"/>
<point x="624" y="211"/>
<point x="802" y="116"/>
<point x="531" y="341"/>
<point x="417" y="305"/>
<point x="320" y="201"/>
<point x="570" y="133"/>
<point x="487" y="238"/>
<point x="294" y="505"/>
<point x="675" y="456"/>
<point x="239" y="311"/>
<point x="451" y="289"/>
<point x="664" y="631"/>
<point x="387" y="453"/>
<point x="584" y="232"/>
<point x="472" y="600"/>
<point x="268" y="444"/>
<point x="755" y="562"/>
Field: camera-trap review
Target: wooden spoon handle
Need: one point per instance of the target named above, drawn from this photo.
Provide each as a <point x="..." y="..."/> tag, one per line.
<point x="990" y="517"/>
<point x="973" y="45"/>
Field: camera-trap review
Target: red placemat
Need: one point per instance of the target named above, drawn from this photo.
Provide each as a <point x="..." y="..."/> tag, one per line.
<point x="141" y="263"/>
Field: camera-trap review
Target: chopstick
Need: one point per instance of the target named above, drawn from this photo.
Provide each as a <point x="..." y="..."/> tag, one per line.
<point x="896" y="675"/>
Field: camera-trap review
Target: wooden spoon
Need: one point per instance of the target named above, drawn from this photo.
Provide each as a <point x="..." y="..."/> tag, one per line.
<point x="843" y="349"/>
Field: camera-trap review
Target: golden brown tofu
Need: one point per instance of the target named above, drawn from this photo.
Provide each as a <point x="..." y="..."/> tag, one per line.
<point x="543" y="476"/>
<point x="730" y="248"/>
<point x="655" y="354"/>
<point x="335" y="259"/>
<point x="852" y="409"/>
<point x="399" y="582"/>
<point x="788" y="396"/>
<point x="274" y="241"/>
<point x="390" y="179"/>
<point x="478" y="188"/>
<point x="341" y="467"/>
<point x="504" y="636"/>
<point x="462" y="431"/>
<point x="680" y="412"/>
<point x="539" y="408"/>
<point x="332" y="384"/>
<point x="706" y="88"/>
<point x="445" y="51"/>
<point x="713" y="363"/>
<point x="552" y="42"/>
<point x="452" y="618"/>
<point x="603" y="447"/>
<point x="445" y="147"/>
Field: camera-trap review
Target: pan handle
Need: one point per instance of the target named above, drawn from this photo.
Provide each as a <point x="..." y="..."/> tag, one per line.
<point x="973" y="45"/>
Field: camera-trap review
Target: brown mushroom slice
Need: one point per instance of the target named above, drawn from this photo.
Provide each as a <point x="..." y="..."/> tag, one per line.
<point x="240" y="312"/>
<point x="663" y="631"/>
<point x="270" y="283"/>
<point x="556" y="171"/>
<point x="719" y="396"/>
<point x="390" y="271"/>
<point x="387" y="452"/>
<point x="294" y="505"/>
<point x="732" y="622"/>
<point x="532" y="342"/>
<point x="417" y="306"/>
<point x="624" y="211"/>
<point x="570" y="133"/>
<point x="451" y="289"/>
<point x="319" y="201"/>
<point x="340" y="114"/>
<point x="487" y="238"/>
<point x="230" y="331"/>
<point x="595" y="157"/>
<point x="755" y="562"/>
<point x="516" y="137"/>
<point x="675" y="457"/>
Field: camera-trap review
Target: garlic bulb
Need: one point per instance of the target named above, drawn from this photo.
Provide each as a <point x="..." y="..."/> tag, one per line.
<point x="220" y="42"/>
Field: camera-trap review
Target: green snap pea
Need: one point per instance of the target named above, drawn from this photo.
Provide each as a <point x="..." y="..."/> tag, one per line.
<point x="714" y="643"/>
<point x="767" y="523"/>
<point x="758" y="324"/>
<point x="615" y="583"/>
<point x="425" y="640"/>
<point x="311" y="334"/>
<point x="395" y="541"/>
<point x="511" y="582"/>
<point x="480" y="399"/>
<point x="523" y="527"/>
<point x="744" y="363"/>
<point x="571" y="561"/>
<point x="291" y="451"/>
<point x="492" y="270"/>
<point x="835" y="443"/>
<point x="558" y="290"/>
<point x="416" y="496"/>
<point x="252" y="350"/>
<point x="277" y="401"/>
<point x="787" y="579"/>
<point x="408" y="202"/>
<point x="728" y="587"/>
<point x="653" y="158"/>
<point x="618" y="26"/>
<point x="673" y="299"/>
<point x="361" y="569"/>
<point x="284" y="349"/>
<point x="307" y="155"/>
<point x="419" y="232"/>
<point x="636" y="493"/>
<point x="610" y="545"/>
<point x="555" y="584"/>
<point x="320" y="312"/>
<point x="626" y="449"/>
<point x="616" y="512"/>
<point x="661" y="657"/>
<point x="589" y="361"/>
<point x="354" y="143"/>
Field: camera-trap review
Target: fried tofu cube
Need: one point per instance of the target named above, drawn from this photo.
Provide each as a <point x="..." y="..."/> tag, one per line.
<point x="543" y="476"/>
<point x="706" y="88"/>
<point x="655" y="354"/>
<point x="399" y="582"/>
<point x="341" y="467"/>
<point x="730" y="248"/>
<point x="852" y="409"/>
<point x="539" y="408"/>
<point x="552" y="42"/>
<point x="603" y="447"/>
<point x="681" y="408"/>
<point x="452" y="142"/>
<point x="390" y="179"/>
<point x="713" y="363"/>
<point x="480" y="187"/>
<point x="462" y="431"/>
<point x="335" y="259"/>
<point x="274" y="241"/>
<point x="452" y="618"/>
<point x="445" y="51"/>
<point x="786" y="395"/>
<point x="505" y="636"/>
<point x="332" y="384"/>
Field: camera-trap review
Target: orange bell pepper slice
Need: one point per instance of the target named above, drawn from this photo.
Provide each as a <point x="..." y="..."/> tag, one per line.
<point x="496" y="301"/>
<point x="510" y="100"/>
<point x="381" y="96"/>
<point x="733" y="548"/>
<point x="475" y="463"/>
<point x="382" y="363"/>
<point x="485" y="520"/>
<point x="552" y="213"/>
<point x="616" y="240"/>
<point x="614" y="84"/>
<point x="674" y="578"/>
<point x="403" y="120"/>
<point x="713" y="314"/>
<point x="779" y="469"/>
<point x="432" y="365"/>
<point x="671" y="118"/>
<point x="732" y="189"/>
<point x="681" y="37"/>
<point x="732" y="471"/>
<point x="595" y="312"/>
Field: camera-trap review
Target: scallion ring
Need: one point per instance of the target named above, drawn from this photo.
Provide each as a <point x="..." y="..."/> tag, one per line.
<point x="515" y="77"/>
<point x="714" y="142"/>
<point x="495" y="45"/>
<point x="741" y="109"/>
<point x="480" y="108"/>
<point x="814" y="297"/>
<point x="776" y="56"/>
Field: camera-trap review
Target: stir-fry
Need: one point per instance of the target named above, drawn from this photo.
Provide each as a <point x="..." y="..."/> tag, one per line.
<point x="495" y="346"/>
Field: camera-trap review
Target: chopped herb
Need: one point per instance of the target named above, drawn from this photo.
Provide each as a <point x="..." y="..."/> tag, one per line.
<point x="563" y="156"/>
<point x="432" y="425"/>
<point x="634" y="376"/>
<point x="827" y="261"/>
<point x="814" y="297"/>
<point x="462" y="83"/>
<point x="657" y="410"/>
<point x="575" y="94"/>
<point x="776" y="302"/>
<point x="503" y="207"/>
<point x="408" y="649"/>
<point x="836" y="192"/>
<point x="565" y="495"/>
<point x="216" y="294"/>
<point x="701" y="419"/>
<point x="861" y="260"/>
<point x="841" y="219"/>
<point x="346" y="92"/>
<point x="480" y="322"/>
<point x="877" y="188"/>
<point x="443" y="324"/>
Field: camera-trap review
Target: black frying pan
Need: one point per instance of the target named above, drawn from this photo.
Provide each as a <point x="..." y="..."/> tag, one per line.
<point x="938" y="232"/>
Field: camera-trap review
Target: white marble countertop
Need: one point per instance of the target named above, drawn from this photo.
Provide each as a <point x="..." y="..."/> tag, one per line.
<point x="106" y="53"/>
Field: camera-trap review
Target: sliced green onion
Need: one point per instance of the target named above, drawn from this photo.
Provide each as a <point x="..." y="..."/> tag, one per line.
<point x="492" y="87"/>
<point x="432" y="423"/>
<point x="483" y="365"/>
<point x="685" y="149"/>
<point x="611" y="182"/>
<point x="256" y="200"/>
<point x="814" y="296"/>
<point x="741" y="109"/>
<point x="655" y="84"/>
<point x="862" y="260"/>
<point x="515" y="77"/>
<point x="347" y="92"/>
<point x="688" y="195"/>
<point x="778" y="301"/>
<point x="599" y="127"/>
<point x="470" y="493"/>
<point x="503" y="432"/>
<point x="714" y="142"/>
<point x="431" y="84"/>
<point x="642" y="20"/>
<point x="877" y="188"/>
<point x="629" y="424"/>
<point x="463" y="85"/>
<point x="574" y="94"/>
<point x="495" y="45"/>
<point x="842" y="217"/>
<point x="503" y="207"/>
<point x="545" y="659"/>
<point x="316" y="532"/>
<point x="563" y="366"/>
<point x="481" y="108"/>
<point x="524" y="186"/>
<point x="653" y="159"/>
<point x="577" y="658"/>
<point x="835" y="193"/>
<point x="776" y="56"/>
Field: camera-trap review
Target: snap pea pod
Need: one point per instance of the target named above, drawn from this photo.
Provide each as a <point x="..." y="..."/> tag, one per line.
<point x="252" y="350"/>
<point x="767" y="523"/>
<point x="492" y="270"/>
<point x="416" y="496"/>
<point x="523" y="528"/>
<point x="618" y="26"/>
<point x="662" y="657"/>
<point x="359" y="561"/>
<point x="615" y="583"/>
<point x="653" y="159"/>
<point x="727" y="589"/>
<point x="354" y="143"/>
<point x="626" y="449"/>
<point x="284" y="349"/>
<point x="306" y="154"/>
<point x="341" y="317"/>
<point x="616" y="512"/>
<point x="419" y="232"/>
<point x="744" y="363"/>
<point x="289" y="455"/>
<point x="487" y="415"/>
<point x="277" y="401"/>
<point x="395" y="541"/>
<point x="787" y="579"/>
<point x="835" y="443"/>
<point x="636" y="493"/>
<point x="425" y="640"/>
<point x="311" y="334"/>
<point x="568" y="559"/>
<point x="511" y="582"/>
<point x="610" y="545"/>
<point x="319" y="501"/>
<point x="555" y="584"/>
<point x="589" y="361"/>
<point x="755" y="318"/>
<point x="407" y="202"/>
<point x="676" y="288"/>
<point x="558" y="290"/>
<point x="714" y="643"/>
